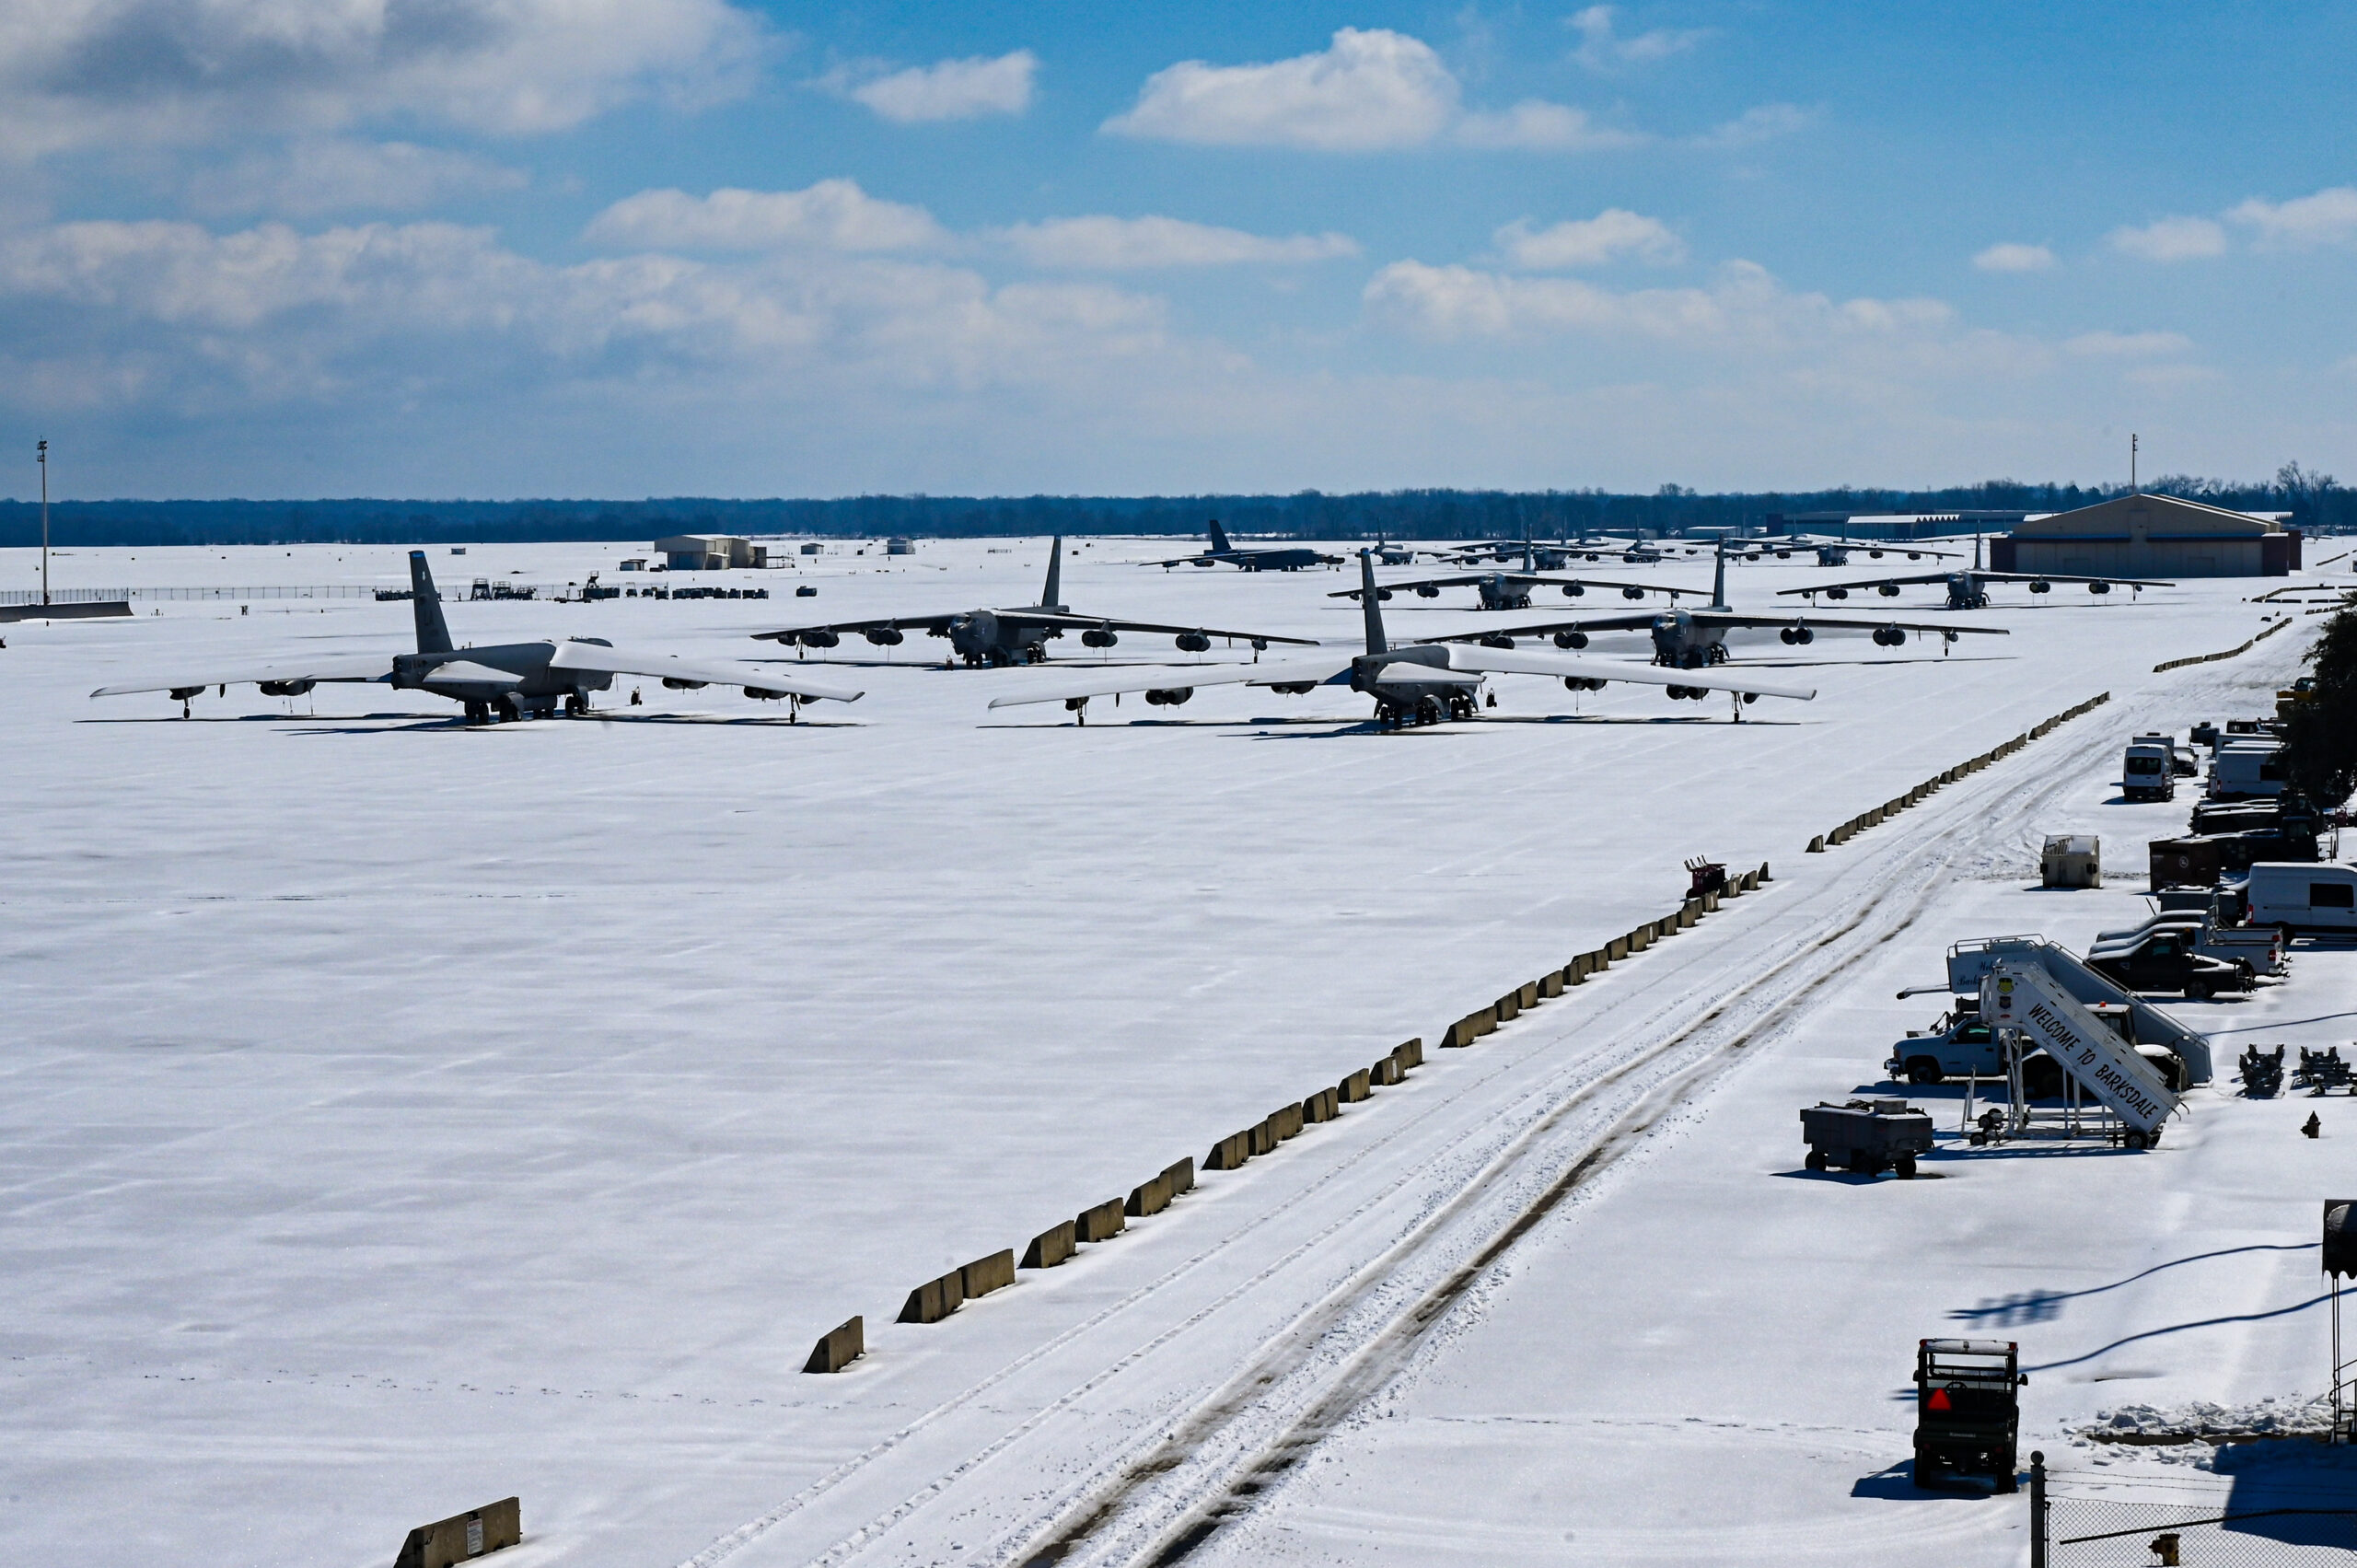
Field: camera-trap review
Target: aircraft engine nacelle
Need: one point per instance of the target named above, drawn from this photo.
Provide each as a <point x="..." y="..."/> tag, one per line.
<point x="676" y="684"/>
<point x="1583" y="683"/>
<point x="1875" y="553"/>
<point x="1784" y="555"/>
<point x="1193" y="643"/>
<point x="1632" y="591"/>
<point x="817" y="638"/>
<point x="182" y="693"/>
<point x="1571" y="639"/>
<point x="1099" y="637"/>
<point x="1497" y="640"/>
<point x="1890" y="636"/>
<point x="1888" y="590"/>
<point x="1170" y="697"/>
<point x="1423" y="590"/>
<point x="1787" y="635"/>
<point x="1293" y="687"/>
<point x="2098" y="587"/>
<point x="2041" y="586"/>
<point x="1837" y="593"/>
<point x="286" y="688"/>
<point x="1575" y="590"/>
<point x="763" y="694"/>
<point x="883" y="636"/>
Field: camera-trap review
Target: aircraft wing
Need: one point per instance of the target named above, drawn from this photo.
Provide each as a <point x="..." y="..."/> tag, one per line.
<point x="1819" y="623"/>
<point x="707" y="672"/>
<point x="1115" y="624"/>
<point x="1641" y="622"/>
<point x="328" y="667"/>
<point x="899" y="622"/>
<point x="1495" y="661"/>
<point x="2067" y="578"/>
<point x="1140" y="678"/>
<point x="1534" y="578"/>
<point x="472" y="674"/>
<point x="1873" y="582"/>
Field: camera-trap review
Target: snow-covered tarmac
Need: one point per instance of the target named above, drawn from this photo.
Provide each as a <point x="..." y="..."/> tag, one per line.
<point x="402" y="1115"/>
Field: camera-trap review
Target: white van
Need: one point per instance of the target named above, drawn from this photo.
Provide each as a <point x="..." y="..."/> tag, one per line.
<point x="2247" y="771"/>
<point x="2148" y="772"/>
<point x="2297" y="896"/>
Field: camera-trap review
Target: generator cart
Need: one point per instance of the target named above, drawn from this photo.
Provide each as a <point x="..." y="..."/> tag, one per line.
<point x="1866" y="1136"/>
<point x="1967" y="1410"/>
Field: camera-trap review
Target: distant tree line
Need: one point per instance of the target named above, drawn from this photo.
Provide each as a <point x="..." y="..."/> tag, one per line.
<point x="2318" y="504"/>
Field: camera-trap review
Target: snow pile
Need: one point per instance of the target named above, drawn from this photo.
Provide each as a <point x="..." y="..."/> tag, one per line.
<point x="2201" y="1419"/>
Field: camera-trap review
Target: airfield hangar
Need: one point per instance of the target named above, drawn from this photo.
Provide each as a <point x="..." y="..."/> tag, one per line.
<point x="709" y="552"/>
<point x="2142" y="535"/>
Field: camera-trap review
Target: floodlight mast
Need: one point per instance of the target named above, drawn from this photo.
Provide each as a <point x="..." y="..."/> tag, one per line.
<point x="40" y="456"/>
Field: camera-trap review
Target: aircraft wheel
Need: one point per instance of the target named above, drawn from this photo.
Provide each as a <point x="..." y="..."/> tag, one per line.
<point x="477" y="713"/>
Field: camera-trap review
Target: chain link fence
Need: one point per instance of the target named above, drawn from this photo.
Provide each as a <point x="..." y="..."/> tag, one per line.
<point x="2196" y="1526"/>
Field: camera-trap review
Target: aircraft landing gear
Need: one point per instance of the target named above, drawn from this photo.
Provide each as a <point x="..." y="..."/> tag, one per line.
<point x="477" y="713"/>
<point x="577" y="704"/>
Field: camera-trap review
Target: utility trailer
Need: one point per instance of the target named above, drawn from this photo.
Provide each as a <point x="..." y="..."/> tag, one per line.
<point x="1867" y="1137"/>
<point x="1967" y="1410"/>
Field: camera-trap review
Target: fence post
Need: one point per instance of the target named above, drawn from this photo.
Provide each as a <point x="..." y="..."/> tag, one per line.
<point x="2036" y="1510"/>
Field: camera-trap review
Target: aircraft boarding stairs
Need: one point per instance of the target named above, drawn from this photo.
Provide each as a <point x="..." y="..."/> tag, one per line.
<point x="2039" y="996"/>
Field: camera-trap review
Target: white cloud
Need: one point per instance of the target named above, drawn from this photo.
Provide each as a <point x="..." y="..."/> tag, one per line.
<point x="951" y="89"/>
<point x="132" y="71"/>
<point x="2127" y="346"/>
<point x="2172" y="239"/>
<point x="833" y="214"/>
<point x="1601" y="48"/>
<point x="1542" y="126"/>
<point x="1106" y="244"/>
<point x="331" y="176"/>
<point x="1589" y="242"/>
<point x="2010" y="257"/>
<point x="1754" y="126"/>
<point x="2329" y="217"/>
<point x="1745" y="311"/>
<point x="1368" y="89"/>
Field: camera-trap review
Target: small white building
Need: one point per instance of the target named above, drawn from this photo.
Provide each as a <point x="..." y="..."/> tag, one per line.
<point x="711" y="552"/>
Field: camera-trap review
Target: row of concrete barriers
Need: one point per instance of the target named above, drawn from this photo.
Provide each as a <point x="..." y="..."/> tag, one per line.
<point x="938" y="1299"/>
<point x="1580" y="969"/>
<point x="2226" y="652"/>
<point x="1998" y="753"/>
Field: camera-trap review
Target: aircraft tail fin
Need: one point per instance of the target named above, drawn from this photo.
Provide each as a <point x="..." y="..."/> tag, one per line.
<point x="1370" y="603"/>
<point x="432" y="632"/>
<point x="1050" y="597"/>
<point x="1719" y="579"/>
<point x="1219" y="539"/>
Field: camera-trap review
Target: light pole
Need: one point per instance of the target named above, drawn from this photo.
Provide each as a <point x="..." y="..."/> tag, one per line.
<point x="40" y="456"/>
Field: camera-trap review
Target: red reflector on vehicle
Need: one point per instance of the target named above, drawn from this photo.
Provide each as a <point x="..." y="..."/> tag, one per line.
<point x="1938" y="1401"/>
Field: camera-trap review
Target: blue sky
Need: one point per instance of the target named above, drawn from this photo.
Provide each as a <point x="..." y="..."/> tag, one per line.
<point x="505" y="247"/>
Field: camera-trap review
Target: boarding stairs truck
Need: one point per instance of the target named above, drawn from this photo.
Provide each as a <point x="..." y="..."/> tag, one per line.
<point x="2029" y="1005"/>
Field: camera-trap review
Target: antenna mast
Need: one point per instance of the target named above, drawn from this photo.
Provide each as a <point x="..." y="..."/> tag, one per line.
<point x="40" y="456"/>
<point x="2132" y="464"/>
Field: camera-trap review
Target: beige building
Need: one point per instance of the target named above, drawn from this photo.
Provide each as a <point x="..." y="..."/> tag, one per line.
<point x="709" y="552"/>
<point x="2144" y="535"/>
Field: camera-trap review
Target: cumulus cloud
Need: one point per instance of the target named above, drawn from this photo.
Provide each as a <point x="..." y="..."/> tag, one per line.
<point x="2010" y="257"/>
<point x="334" y="176"/>
<point x="1543" y="127"/>
<point x="1754" y="126"/>
<point x="1589" y="242"/>
<point x="2172" y="239"/>
<point x="1109" y="244"/>
<point x="951" y="89"/>
<point x="2329" y="217"/>
<point x="1601" y="48"/>
<point x="131" y="71"/>
<point x="169" y="314"/>
<point x="2127" y="346"/>
<point x="833" y="214"/>
<point x="1370" y="89"/>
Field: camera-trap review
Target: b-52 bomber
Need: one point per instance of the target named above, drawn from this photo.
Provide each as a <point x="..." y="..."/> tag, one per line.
<point x="1287" y="558"/>
<point x="998" y="637"/>
<point x="1419" y="684"/>
<point x="1691" y="639"/>
<point x="1835" y="551"/>
<point x="507" y="680"/>
<point x="1511" y="590"/>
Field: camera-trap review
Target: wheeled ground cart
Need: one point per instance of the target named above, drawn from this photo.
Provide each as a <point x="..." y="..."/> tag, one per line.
<point x="1868" y="1136"/>
<point x="1967" y="1410"/>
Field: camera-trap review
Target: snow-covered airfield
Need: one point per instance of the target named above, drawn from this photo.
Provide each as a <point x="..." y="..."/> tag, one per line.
<point x="401" y="1115"/>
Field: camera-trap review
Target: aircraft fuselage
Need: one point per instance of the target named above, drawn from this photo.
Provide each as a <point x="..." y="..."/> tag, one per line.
<point x="1682" y="642"/>
<point x="1415" y="701"/>
<point x="1502" y="592"/>
<point x="982" y="636"/>
<point x="537" y="690"/>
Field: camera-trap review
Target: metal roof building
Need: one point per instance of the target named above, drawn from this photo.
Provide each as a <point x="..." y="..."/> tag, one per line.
<point x="2144" y="535"/>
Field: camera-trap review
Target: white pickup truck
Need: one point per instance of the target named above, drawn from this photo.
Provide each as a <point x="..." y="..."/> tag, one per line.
<point x="2260" y="947"/>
